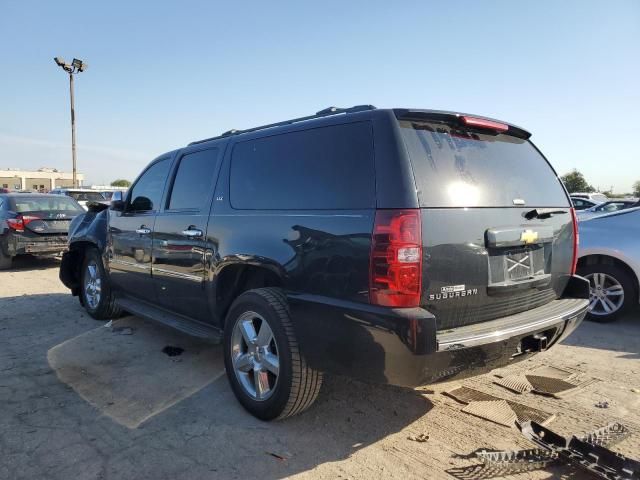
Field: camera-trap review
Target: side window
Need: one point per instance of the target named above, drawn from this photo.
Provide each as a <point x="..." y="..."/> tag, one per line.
<point x="194" y="180"/>
<point x="147" y="192"/>
<point x="317" y="169"/>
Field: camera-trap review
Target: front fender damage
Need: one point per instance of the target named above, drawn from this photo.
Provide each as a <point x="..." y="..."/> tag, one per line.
<point x="88" y="230"/>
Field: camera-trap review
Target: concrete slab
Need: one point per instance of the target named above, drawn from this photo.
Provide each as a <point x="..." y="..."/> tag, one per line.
<point x="123" y="372"/>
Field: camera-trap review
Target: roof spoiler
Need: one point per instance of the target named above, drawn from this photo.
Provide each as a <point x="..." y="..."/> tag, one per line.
<point x="462" y="120"/>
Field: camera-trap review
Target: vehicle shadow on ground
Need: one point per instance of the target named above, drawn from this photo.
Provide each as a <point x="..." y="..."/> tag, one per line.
<point x="117" y="391"/>
<point x="29" y="262"/>
<point x="607" y="336"/>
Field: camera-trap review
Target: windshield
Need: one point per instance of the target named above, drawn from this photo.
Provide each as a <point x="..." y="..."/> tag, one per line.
<point x="52" y="203"/>
<point x="458" y="168"/>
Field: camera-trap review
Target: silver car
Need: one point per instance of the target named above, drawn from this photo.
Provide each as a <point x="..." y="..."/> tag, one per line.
<point x="609" y="257"/>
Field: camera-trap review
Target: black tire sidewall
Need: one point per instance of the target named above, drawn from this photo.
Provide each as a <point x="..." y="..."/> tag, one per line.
<point x="622" y="277"/>
<point x="5" y="260"/>
<point x="273" y="406"/>
<point x="92" y="254"/>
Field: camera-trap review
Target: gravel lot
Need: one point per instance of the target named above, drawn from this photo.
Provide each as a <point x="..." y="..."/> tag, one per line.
<point x="80" y="401"/>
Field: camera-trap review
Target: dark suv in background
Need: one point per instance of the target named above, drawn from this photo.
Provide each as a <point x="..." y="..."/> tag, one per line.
<point x="395" y="246"/>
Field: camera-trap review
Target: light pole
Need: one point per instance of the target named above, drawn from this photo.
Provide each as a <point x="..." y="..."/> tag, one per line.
<point x="76" y="66"/>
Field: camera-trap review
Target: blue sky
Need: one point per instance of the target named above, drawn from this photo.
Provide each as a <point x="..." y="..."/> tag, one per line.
<point x="162" y="74"/>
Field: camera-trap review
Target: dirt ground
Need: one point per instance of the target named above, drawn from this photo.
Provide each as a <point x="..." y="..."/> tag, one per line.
<point x="81" y="401"/>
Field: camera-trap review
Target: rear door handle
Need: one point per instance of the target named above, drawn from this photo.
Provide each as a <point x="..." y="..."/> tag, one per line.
<point x="192" y="232"/>
<point x="143" y="230"/>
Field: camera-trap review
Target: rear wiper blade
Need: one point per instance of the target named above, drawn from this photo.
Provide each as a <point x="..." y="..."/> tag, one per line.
<point x="542" y="213"/>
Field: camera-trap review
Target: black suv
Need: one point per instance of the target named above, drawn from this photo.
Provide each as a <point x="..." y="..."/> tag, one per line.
<point x="396" y="246"/>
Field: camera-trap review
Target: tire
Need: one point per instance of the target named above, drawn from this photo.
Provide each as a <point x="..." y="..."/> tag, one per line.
<point x="101" y="306"/>
<point x="296" y="385"/>
<point x="611" y="278"/>
<point x="5" y="260"/>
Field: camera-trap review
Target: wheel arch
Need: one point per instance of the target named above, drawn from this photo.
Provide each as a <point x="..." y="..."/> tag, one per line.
<point x="71" y="266"/>
<point x="603" y="259"/>
<point x="235" y="278"/>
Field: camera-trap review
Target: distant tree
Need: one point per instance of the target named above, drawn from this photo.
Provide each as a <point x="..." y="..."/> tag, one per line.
<point x="575" y="182"/>
<point x="121" y="182"/>
<point x="636" y="189"/>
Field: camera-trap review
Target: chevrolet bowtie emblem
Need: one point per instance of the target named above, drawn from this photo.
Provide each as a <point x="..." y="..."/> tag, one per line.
<point x="529" y="236"/>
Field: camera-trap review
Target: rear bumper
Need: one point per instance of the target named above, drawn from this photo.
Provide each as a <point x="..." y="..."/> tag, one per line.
<point x="19" y="244"/>
<point x="402" y="346"/>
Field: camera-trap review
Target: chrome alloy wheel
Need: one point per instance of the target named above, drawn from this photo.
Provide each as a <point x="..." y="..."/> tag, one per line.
<point x="254" y="355"/>
<point x="606" y="294"/>
<point x="92" y="285"/>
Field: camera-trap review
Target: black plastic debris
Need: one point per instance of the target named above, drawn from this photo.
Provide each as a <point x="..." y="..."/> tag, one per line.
<point x="172" y="351"/>
<point x="587" y="452"/>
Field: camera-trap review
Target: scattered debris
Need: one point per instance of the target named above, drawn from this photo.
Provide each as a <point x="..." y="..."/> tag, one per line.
<point x="283" y="458"/>
<point x="546" y="380"/>
<point x="108" y="324"/>
<point x="602" y="404"/>
<point x="496" y="411"/>
<point x="595" y="458"/>
<point x="172" y="351"/>
<point x="523" y="413"/>
<point x="423" y="437"/>
<point x="587" y="452"/>
<point x="635" y="390"/>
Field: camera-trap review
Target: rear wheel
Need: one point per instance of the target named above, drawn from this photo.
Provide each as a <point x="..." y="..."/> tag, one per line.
<point x="5" y="260"/>
<point x="95" y="293"/>
<point x="265" y="367"/>
<point x="611" y="291"/>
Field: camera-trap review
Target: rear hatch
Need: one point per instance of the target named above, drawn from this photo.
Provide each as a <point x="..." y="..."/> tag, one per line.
<point x="46" y="215"/>
<point x="497" y="227"/>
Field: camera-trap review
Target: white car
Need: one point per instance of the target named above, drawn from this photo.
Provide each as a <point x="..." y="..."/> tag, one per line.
<point x="595" y="197"/>
<point x="609" y="257"/>
<point x="81" y="195"/>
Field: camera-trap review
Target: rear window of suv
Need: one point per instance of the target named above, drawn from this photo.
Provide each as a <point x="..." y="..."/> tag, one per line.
<point x="458" y="168"/>
<point x="317" y="169"/>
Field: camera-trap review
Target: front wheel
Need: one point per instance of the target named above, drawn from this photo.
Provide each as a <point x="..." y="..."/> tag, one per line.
<point x="266" y="370"/>
<point x="96" y="295"/>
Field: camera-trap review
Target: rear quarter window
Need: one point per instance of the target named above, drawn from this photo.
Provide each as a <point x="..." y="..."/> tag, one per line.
<point x="458" y="168"/>
<point x="317" y="169"/>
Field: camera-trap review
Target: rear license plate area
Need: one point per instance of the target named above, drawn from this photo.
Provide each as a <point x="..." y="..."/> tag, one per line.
<point x="517" y="264"/>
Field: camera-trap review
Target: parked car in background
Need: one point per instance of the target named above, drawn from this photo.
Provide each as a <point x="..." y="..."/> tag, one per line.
<point x="395" y="246"/>
<point x="34" y="224"/>
<point x="81" y="195"/>
<point x="608" y="207"/>
<point x="582" y="203"/>
<point x="609" y="257"/>
<point x="594" y="197"/>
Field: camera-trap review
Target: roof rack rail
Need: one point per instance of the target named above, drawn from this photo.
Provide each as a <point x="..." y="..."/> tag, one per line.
<point x="322" y="113"/>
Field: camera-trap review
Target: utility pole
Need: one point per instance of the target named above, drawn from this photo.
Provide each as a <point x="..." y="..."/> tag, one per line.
<point x="76" y="66"/>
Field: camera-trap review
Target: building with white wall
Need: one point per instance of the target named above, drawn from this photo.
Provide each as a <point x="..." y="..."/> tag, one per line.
<point x="44" y="179"/>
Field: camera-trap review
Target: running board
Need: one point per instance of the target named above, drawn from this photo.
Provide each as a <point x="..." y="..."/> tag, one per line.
<point x="183" y="324"/>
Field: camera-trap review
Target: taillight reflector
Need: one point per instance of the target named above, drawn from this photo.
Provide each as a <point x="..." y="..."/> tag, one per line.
<point x="482" y="123"/>
<point x="576" y="241"/>
<point x="396" y="259"/>
<point x="20" y="222"/>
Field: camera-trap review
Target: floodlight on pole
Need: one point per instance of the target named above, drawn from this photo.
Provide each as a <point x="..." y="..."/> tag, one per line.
<point x="76" y="66"/>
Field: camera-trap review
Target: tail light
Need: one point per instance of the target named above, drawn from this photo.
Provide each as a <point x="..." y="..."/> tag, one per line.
<point x="20" y="222"/>
<point x="576" y="241"/>
<point x="396" y="259"/>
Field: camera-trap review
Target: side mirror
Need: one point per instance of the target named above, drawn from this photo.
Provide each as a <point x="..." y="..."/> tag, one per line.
<point x="117" y="201"/>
